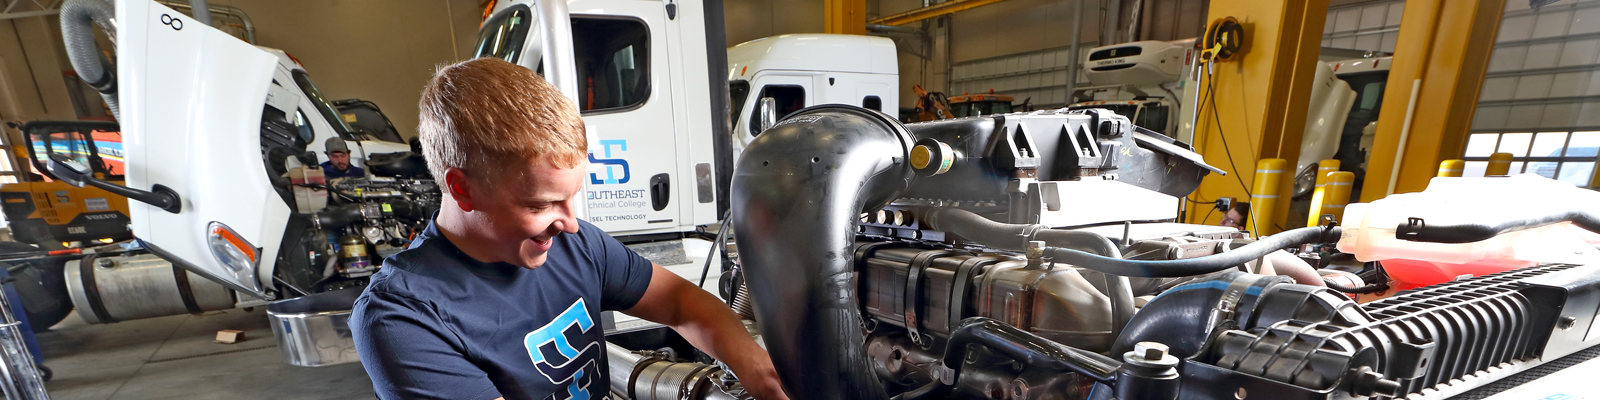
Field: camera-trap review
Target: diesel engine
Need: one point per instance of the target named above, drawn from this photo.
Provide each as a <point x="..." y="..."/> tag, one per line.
<point x="1034" y="256"/>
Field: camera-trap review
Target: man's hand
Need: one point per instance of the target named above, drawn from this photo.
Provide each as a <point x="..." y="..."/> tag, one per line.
<point x="709" y="325"/>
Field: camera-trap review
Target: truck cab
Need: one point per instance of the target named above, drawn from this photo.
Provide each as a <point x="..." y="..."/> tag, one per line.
<point x="317" y="119"/>
<point x="637" y="71"/>
<point x="803" y="70"/>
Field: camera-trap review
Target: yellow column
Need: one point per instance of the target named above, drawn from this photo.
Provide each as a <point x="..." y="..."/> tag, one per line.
<point x="1451" y="168"/>
<point x="1264" y="195"/>
<point x="1439" y="62"/>
<point x="1499" y="165"/>
<point x="845" y="16"/>
<point x="1260" y="99"/>
<point x="1338" y="193"/>
<point x="1324" y="168"/>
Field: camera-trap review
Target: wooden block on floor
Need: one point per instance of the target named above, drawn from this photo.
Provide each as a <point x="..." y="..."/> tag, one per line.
<point x="229" y="336"/>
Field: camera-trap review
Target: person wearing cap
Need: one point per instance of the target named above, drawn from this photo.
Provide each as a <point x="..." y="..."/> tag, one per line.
<point x="338" y="164"/>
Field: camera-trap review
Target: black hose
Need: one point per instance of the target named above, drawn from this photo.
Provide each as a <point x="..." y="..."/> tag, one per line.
<point x="932" y="390"/>
<point x="1026" y="348"/>
<point x="1193" y="266"/>
<point x="1368" y="289"/>
<point x="1417" y="230"/>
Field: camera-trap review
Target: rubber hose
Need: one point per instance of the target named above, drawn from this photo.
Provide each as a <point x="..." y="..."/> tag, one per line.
<point x="1193" y="266"/>
<point x="1368" y="289"/>
<point x="76" y="17"/>
<point x="338" y="217"/>
<point x="1418" y="231"/>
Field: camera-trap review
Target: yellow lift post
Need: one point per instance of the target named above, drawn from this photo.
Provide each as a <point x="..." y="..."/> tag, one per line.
<point x="847" y="17"/>
<point x="1261" y="96"/>
<point x="1440" y="58"/>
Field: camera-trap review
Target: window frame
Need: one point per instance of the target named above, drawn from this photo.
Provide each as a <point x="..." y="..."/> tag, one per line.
<point x="752" y="128"/>
<point x="516" y="32"/>
<point x="1526" y="159"/>
<point x="649" y="62"/>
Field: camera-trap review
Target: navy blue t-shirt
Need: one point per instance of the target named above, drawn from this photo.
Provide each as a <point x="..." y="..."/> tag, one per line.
<point x="436" y="323"/>
<point x="330" y="172"/>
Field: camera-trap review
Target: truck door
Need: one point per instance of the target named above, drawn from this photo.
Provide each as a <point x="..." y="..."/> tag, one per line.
<point x="625" y="95"/>
<point x="196" y="105"/>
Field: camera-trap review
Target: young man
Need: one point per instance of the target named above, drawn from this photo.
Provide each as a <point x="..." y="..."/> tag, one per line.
<point x="338" y="164"/>
<point x="501" y="296"/>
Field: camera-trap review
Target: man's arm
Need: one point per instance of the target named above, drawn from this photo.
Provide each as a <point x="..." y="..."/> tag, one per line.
<point x="711" y="326"/>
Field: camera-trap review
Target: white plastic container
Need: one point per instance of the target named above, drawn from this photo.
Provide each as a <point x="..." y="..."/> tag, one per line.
<point x="308" y="200"/>
<point x="1369" y="228"/>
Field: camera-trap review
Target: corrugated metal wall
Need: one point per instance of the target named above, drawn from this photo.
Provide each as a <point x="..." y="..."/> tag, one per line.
<point x="1370" y="26"/>
<point x="1541" y="96"/>
<point x="1040" y="75"/>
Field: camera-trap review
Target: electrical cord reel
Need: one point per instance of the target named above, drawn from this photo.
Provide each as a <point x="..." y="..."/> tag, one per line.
<point x="1223" y="39"/>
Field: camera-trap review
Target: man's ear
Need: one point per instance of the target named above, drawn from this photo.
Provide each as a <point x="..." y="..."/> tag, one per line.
<point x="459" y="188"/>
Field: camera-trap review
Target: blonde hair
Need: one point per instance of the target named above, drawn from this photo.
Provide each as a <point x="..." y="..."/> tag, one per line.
<point x="480" y="114"/>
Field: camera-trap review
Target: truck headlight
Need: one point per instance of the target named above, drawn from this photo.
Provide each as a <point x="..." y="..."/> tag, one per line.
<point x="235" y="253"/>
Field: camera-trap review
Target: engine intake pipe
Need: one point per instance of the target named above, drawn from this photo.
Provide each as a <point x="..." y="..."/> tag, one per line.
<point x="802" y="186"/>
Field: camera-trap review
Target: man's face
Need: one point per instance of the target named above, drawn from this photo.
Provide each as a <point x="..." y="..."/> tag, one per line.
<point x="1232" y="219"/>
<point x="520" y="217"/>
<point x="339" y="159"/>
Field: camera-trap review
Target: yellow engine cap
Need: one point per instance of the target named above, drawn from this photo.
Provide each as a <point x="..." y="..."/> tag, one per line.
<point x="932" y="157"/>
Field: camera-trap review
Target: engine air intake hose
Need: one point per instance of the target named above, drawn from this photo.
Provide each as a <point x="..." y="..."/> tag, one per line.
<point x="802" y="185"/>
<point x="1193" y="266"/>
<point x="76" y="17"/>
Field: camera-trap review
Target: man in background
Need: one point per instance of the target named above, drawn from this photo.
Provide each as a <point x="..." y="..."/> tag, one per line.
<point x="338" y="164"/>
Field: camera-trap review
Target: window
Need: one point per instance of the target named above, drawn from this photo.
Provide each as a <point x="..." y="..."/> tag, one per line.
<point x="1565" y="156"/>
<point x="738" y="92"/>
<point x="302" y="126"/>
<point x="872" y="102"/>
<point x="502" y="36"/>
<point x="1153" y="117"/>
<point x="789" y="98"/>
<point x="323" y="106"/>
<point x="101" y="150"/>
<point x="613" y="60"/>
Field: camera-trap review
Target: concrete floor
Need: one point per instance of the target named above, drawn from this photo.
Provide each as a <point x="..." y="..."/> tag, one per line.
<point x="176" y="358"/>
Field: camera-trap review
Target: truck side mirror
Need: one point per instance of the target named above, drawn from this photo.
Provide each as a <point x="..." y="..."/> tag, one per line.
<point x="69" y="170"/>
<point x="766" y="114"/>
<point x="77" y="174"/>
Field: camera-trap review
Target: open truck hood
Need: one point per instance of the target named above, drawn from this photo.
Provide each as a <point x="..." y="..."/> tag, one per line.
<point x="192" y="103"/>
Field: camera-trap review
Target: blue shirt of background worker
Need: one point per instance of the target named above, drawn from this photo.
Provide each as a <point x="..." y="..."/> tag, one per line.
<point x="338" y="164"/>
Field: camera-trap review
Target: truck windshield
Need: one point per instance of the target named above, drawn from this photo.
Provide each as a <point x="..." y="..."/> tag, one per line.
<point x="502" y="36"/>
<point x="324" y="107"/>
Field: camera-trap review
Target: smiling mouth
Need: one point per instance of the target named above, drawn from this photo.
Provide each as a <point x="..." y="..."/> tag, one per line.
<point x="543" y="241"/>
